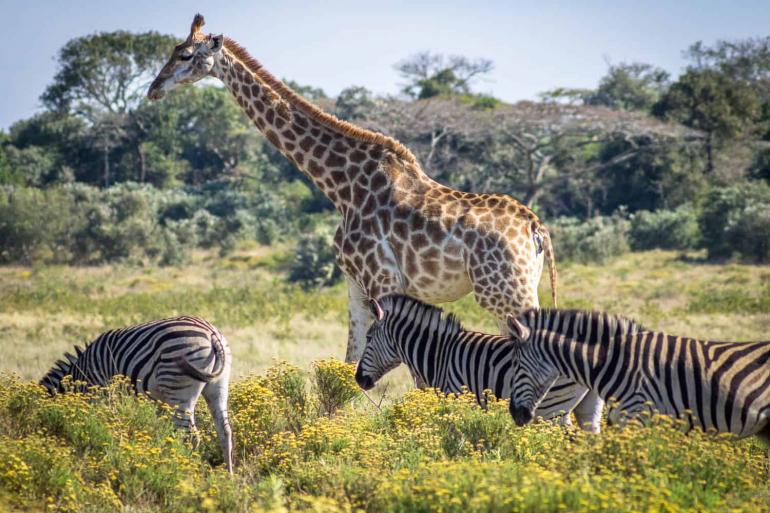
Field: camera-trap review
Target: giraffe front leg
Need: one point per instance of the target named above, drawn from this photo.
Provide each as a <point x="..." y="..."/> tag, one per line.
<point x="359" y="320"/>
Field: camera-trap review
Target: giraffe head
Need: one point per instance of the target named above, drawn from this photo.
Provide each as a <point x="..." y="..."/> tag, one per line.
<point x="191" y="60"/>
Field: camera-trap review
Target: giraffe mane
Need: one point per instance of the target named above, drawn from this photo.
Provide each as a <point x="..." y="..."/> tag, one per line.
<point x="613" y="323"/>
<point x="315" y="113"/>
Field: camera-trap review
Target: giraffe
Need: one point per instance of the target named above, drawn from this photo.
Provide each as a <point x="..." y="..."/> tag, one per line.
<point x="401" y="231"/>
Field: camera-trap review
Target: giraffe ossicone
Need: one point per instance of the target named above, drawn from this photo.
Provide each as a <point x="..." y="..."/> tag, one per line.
<point x="401" y="231"/>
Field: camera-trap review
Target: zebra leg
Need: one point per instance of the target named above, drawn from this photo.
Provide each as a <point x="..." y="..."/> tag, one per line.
<point x="184" y="418"/>
<point x="215" y="394"/>
<point x="588" y="412"/>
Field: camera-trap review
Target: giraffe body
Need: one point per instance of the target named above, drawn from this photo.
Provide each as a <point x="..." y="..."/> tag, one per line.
<point x="401" y="232"/>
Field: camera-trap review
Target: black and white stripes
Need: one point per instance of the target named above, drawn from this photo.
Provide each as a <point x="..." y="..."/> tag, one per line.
<point x="715" y="386"/>
<point x="443" y="355"/>
<point x="173" y="360"/>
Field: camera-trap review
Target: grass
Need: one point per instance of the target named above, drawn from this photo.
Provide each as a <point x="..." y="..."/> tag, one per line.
<point x="306" y="440"/>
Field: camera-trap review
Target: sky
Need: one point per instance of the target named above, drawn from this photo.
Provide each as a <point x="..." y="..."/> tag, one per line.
<point x="535" y="45"/>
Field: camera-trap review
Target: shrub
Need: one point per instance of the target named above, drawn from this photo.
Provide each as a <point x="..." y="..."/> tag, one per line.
<point x="315" y="262"/>
<point x="335" y="384"/>
<point x="592" y="240"/>
<point x="77" y="223"/>
<point x="114" y="451"/>
<point x="736" y="220"/>
<point x="37" y="225"/>
<point x="665" y="229"/>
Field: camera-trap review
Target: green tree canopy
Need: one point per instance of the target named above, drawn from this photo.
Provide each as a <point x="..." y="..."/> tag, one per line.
<point x="711" y="101"/>
<point x="431" y="75"/>
<point x="107" y="71"/>
<point x="634" y="86"/>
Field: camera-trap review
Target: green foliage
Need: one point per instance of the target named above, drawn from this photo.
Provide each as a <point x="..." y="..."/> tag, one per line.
<point x="665" y="229"/>
<point x="106" y="71"/>
<point x="430" y="75"/>
<point x="80" y="224"/>
<point x="596" y="239"/>
<point x="315" y="261"/>
<point x="760" y="167"/>
<point x="634" y="86"/>
<point x="353" y="102"/>
<point x="736" y="221"/>
<point x="710" y="101"/>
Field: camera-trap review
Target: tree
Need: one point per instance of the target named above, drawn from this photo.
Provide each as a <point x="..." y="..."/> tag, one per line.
<point x="108" y="71"/>
<point x="101" y="78"/>
<point x="710" y="101"/>
<point x="353" y="103"/>
<point x="430" y="75"/>
<point x="634" y="86"/>
<point x="747" y="60"/>
<point x="308" y="91"/>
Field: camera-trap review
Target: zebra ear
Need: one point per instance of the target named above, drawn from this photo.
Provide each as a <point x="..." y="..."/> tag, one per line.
<point x="376" y="309"/>
<point x="516" y="329"/>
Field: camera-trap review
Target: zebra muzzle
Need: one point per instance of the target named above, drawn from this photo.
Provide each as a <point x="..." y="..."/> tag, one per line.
<point x="520" y="414"/>
<point x="364" y="381"/>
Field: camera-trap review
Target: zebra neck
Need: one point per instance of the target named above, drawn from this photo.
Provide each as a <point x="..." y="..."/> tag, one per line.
<point x="425" y="355"/>
<point x="575" y="359"/>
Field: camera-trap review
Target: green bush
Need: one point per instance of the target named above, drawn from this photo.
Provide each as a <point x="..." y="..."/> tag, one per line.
<point x="591" y="240"/>
<point x="665" y="229"/>
<point x="736" y="221"/>
<point x="76" y="223"/>
<point x="315" y="262"/>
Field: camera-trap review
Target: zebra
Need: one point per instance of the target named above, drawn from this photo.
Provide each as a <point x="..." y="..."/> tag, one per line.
<point x="173" y="360"/>
<point x="443" y="355"/>
<point x="721" y="387"/>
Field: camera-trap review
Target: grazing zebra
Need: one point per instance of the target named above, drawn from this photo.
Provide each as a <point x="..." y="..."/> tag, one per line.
<point x="715" y="386"/>
<point x="173" y="360"/>
<point x="443" y="355"/>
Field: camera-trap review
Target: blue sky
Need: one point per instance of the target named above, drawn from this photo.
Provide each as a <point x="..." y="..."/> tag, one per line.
<point x="333" y="44"/>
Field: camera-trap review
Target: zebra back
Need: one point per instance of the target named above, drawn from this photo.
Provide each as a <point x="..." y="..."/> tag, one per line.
<point x="136" y="352"/>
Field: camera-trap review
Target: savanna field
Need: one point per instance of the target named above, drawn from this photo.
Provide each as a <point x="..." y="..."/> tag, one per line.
<point x="308" y="440"/>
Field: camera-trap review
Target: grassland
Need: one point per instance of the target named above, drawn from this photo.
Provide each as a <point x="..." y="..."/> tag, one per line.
<point x="419" y="453"/>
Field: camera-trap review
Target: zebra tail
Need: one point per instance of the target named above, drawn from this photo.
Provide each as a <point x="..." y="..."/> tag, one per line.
<point x="219" y="363"/>
<point x="550" y="258"/>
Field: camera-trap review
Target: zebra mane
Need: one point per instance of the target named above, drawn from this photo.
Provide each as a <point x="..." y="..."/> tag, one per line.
<point x="62" y="368"/>
<point x="567" y="322"/>
<point x="401" y="305"/>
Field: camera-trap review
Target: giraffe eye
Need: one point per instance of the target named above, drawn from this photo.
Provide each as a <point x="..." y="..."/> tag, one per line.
<point x="186" y="56"/>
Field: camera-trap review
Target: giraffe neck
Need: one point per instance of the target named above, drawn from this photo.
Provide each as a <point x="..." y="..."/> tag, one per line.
<point x="342" y="160"/>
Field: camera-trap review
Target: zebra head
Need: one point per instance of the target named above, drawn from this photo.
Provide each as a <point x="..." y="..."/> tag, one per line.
<point x="532" y="375"/>
<point x="380" y="354"/>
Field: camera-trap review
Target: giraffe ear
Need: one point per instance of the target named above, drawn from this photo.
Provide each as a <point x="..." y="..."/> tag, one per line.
<point x="216" y="43"/>
<point x="376" y="310"/>
<point x="516" y="329"/>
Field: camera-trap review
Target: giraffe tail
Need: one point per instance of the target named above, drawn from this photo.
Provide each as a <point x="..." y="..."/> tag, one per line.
<point x="550" y="258"/>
